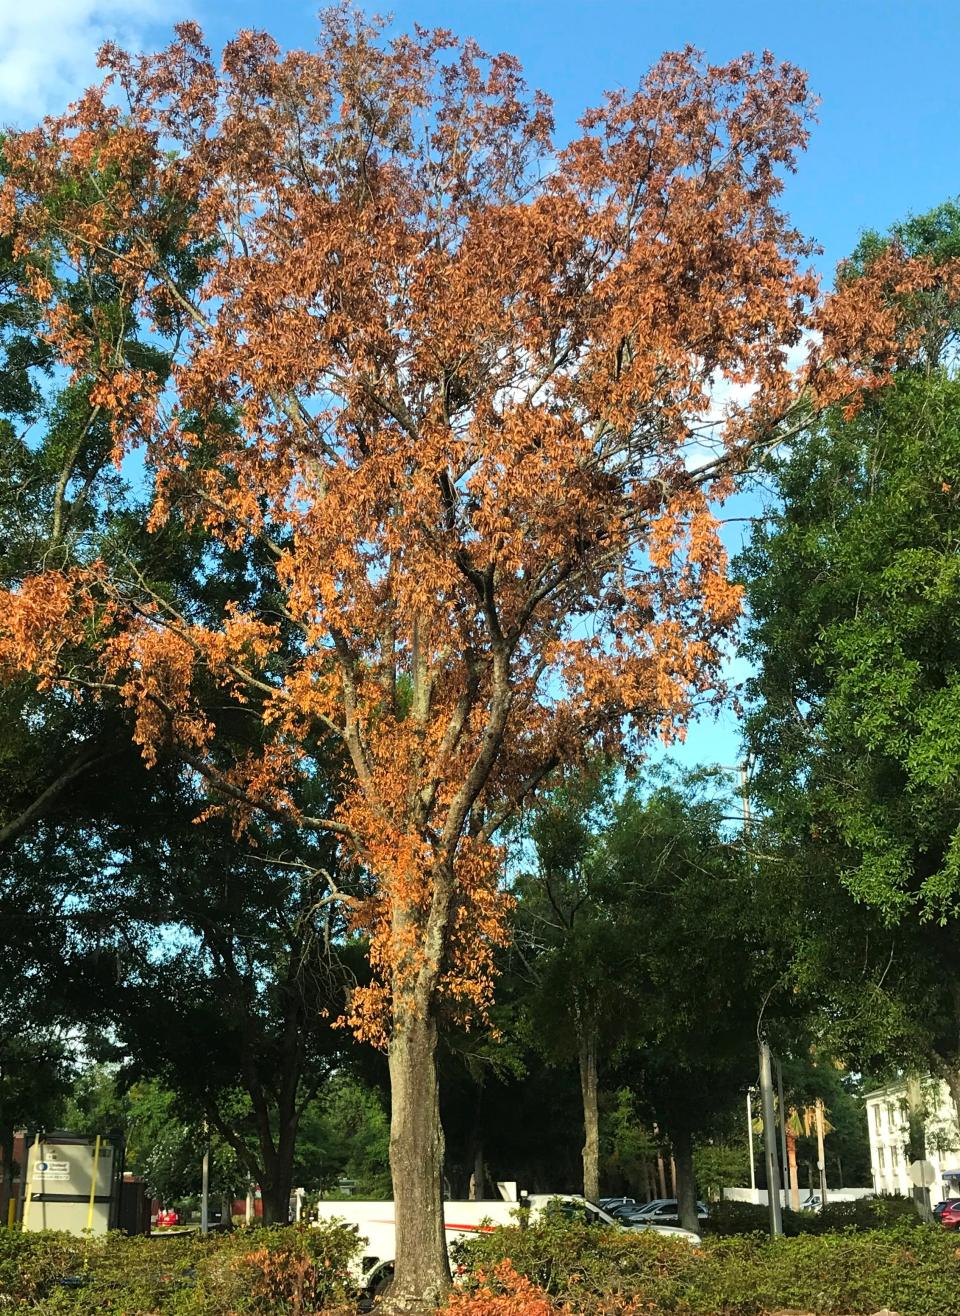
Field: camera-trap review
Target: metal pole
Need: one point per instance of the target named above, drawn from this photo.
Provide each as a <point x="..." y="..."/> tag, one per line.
<point x="770" y="1142"/>
<point x="93" y="1183"/>
<point x="783" y="1133"/>
<point x="753" y="1164"/>
<point x="821" y="1154"/>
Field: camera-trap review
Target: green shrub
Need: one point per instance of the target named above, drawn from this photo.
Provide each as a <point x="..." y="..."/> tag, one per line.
<point x="865" y="1213"/>
<point x="915" y="1271"/>
<point x="261" y="1271"/>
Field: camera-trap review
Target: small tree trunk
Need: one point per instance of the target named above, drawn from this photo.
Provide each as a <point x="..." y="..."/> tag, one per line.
<point x="422" y="1273"/>
<point x="6" y="1184"/>
<point x="478" y="1176"/>
<point x="953" y="1083"/>
<point x="917" y="1143"/>
<point x="686" y="1184"/>
<point x="792" y="1166"/>
<point x="591" y="1117"/>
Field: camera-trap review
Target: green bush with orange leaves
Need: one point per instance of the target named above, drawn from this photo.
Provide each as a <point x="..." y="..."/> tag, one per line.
<point x="257" y="1272"/>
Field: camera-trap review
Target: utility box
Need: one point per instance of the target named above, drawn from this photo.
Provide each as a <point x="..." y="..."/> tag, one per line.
<point x="73" y="1184"/>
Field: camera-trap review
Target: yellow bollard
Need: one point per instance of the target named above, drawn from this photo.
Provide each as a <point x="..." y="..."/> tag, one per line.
<point x="93" y="1183"/>
<point x="28" y="1192"/>
<point x="11" y="1212"/>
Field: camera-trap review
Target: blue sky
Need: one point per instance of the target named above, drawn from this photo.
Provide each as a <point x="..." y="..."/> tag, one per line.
<point x="886" y="71"/>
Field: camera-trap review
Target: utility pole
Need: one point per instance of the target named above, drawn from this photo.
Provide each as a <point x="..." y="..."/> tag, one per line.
<point x="753" y="1164"/>
<point x="770" y="1141"/>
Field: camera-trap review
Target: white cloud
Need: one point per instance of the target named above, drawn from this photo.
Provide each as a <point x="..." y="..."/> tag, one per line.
<point x="48" y="49"/>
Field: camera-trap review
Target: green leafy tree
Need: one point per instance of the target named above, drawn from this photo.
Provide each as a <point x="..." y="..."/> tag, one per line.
<point x="704" y="973"/>
<point x="853" y="583"/>
<point x="581" y="940"/>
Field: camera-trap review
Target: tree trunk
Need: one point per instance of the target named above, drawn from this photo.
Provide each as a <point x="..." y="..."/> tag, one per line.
<point x="6" y="1185"/>
<point x="478" y="1173"/>
<point x="792" y="1165"/>
<point x="917" y="1141"/>
<point x="686" y="1184"/>
<point x="953" y="1083"/>
<point x="422" y="1273"/>
<point x="277" y="1182"/>
<point x="591" y="1116"/>
<point x="478" y="1176"/>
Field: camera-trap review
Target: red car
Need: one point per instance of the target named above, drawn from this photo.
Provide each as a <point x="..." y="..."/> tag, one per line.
<point x="950" y="1215"/>
<point x="167" y="1217"/>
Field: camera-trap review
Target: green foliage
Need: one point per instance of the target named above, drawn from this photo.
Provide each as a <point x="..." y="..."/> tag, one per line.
<point x="720" y="1165"/>
<point x="866" y="1213"/>
<point x="700" y="973"/>
<point x="628" y="1144"/>
<point x="853" y="585"/>
<point x="260" y="1271"/>
<point x="914" y="1271"/>
<point x="345" y="1134"/>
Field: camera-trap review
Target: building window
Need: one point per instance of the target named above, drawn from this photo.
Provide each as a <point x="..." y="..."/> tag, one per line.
<point x="891" y="1114"/>
<point x="895" y="1156"/>
<point x="876" y="1117"/>
<point x="880" y="1157"/>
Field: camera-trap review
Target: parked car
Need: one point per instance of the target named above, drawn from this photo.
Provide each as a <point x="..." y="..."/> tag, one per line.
<point x="663" y="1211"/>
<point x="643" y="1207"/>
<point x="611" y="1204"/>
<point x="625" y="1209"/>
<point x="166" y="1216"/>
<point x="948" y="1213"/>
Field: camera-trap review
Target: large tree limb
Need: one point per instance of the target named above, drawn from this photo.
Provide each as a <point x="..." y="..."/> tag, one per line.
<point x="86" y="760"/>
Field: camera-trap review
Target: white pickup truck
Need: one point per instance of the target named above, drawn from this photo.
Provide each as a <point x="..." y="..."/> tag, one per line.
<point x="374" y="1222"/>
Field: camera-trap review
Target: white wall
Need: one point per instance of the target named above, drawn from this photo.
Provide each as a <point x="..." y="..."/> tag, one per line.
<point x="759" y="1195"/>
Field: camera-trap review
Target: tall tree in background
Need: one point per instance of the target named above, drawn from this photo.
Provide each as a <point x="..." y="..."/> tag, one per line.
<point x="580" y="936"/>
<point x="853" y="585"/>
<point x="451" y="382"/>
<point x="226" y="953"/>
<point x="701" y="976"/>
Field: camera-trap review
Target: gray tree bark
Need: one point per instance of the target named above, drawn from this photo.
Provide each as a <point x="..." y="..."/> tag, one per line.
<point x="591" y="1116"/>
<point x="686" y="1181"/>
<point x="422" y="1273"/>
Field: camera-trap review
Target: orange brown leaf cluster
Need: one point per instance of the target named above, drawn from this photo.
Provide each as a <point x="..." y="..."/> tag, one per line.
<point x="453" y="382"/>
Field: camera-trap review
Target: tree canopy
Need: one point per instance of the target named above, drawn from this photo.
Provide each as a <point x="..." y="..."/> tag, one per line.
<point x="447" y="384"/>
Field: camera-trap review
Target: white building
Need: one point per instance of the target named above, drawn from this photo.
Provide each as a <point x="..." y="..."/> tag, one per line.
<point x="889" y="1138"/>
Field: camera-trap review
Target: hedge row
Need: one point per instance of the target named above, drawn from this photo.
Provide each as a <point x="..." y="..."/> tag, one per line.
<point x="576" y="1269"/>
<point x="263" y="1271"/>
<point x="554" y="1267"/>
<point x="866" y="1213"/>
